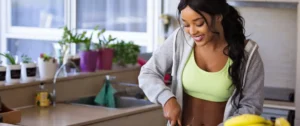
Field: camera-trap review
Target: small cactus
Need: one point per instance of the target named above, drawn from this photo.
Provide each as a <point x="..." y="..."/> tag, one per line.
<point x="46" y="57"/>
<point x="26" y="59"/>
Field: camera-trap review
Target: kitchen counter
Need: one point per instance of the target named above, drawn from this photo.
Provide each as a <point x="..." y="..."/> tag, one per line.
<point x="279" y="105"/>
<point x="5" y="124"/>
<point x="72" y="114"/>
<point x="69" y="114"/>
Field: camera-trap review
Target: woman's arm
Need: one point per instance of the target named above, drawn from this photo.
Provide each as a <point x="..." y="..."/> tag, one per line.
<point x="253" y="95"/>
<point x="253" y="91"/>
<point x="151" y="78"/>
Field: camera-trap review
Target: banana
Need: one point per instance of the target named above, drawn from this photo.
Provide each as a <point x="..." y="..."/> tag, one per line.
<point x="281" y="122"/>
<point x="254" y="120"/>
<point x="269" y="123"/>
<point x="245" y="120"/>
<point x="258" y="125"/>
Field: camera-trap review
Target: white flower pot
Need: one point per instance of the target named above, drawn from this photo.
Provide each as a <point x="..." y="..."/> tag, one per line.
<point x="2" y="75"/>
<point x="47" y="69"/>
<point x="13" y="74"/>
<point x="28" y="71"/>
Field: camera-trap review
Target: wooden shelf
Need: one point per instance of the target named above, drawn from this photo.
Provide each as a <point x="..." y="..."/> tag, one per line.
<point x="279" y="105"/>
<point x="282" y="1"/>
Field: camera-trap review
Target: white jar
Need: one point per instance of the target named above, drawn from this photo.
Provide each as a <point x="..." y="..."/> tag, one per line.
<point x="28" y="71"/>
<point x="2" y="75"/>
<point x="47" y="69"/>
<point x="13" y="74"/>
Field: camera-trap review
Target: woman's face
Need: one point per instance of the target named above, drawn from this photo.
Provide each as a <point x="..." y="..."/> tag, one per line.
<point x="194" y="24"/>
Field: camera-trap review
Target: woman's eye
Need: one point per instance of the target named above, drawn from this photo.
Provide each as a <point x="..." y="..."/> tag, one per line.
<point x="200" y="25"/>
<point x="186" y="26"/>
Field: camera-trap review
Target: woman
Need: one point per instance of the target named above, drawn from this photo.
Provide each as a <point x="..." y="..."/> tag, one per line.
<point x="217" y="73"/>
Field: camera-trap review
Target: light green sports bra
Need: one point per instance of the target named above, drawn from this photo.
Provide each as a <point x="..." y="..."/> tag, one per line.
<point x="210" y="86"/>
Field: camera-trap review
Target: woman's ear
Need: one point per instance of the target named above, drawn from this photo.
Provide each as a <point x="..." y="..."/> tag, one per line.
<point x="219" y="18"/>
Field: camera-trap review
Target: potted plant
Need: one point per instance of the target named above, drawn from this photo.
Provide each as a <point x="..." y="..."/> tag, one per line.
<point x="62" y="49"/>
<point x="28" y="69"/>
<point x="13" y="69"/>
<point x="63" y="46"/>
<point x="125" y="53"/>
<point x="2" y="73"/>
<point x="88" y="57"/>
<point x="47" y="66"/>
<point x="106" y="54"/>
<point x="76" y="60"/>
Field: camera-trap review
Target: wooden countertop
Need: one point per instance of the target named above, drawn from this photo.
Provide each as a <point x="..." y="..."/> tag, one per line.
<point x="5" y="124"/>
<point x="68" y="114"/>
<point x="72" y="114"/>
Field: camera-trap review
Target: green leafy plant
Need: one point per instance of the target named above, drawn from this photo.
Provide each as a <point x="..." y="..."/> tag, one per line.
<point x="104" y="42"/>
<point x="26" y="59"/>
<point x="9" y="57"/>
<point x="64" y="43"/>
<point x="80" y="38"/>
<point x="125" y="52"/>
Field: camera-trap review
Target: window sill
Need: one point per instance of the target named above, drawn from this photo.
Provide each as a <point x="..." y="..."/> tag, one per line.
<point x="64" y="78"/>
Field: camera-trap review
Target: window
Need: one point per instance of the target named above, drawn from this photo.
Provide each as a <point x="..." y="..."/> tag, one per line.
<point x="32" y="48"/>
<point x="129" y="20"/>
<point x="114" y="15"/>
<point x="38" y="23"/>
<point x="37" y="13"/>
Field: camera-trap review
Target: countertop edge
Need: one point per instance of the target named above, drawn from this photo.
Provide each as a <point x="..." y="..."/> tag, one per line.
<point x="133" y="112"/>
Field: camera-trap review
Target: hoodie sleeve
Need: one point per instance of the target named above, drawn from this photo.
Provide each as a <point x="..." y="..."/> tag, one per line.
<point x="152" y="73"/>
<point x="253" y="92"/>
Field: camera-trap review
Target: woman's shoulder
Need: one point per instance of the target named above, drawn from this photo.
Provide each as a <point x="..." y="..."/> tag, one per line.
<point x="252" y="52"/>
<point x="250" y="45"/>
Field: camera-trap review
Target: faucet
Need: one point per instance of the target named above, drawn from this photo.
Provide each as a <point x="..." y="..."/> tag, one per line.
<point x="108" y="77"/>
<point x="53" y="95"/>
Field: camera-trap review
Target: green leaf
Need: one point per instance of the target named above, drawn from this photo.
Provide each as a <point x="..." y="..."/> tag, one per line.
<point x="96" y="27"/>
<point x="102" y="31"/>
<point x="125" y="52"/>
<point x="10" y="58"/>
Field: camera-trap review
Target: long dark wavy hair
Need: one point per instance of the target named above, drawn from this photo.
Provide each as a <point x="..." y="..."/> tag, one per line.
<point x="234" y="32"/>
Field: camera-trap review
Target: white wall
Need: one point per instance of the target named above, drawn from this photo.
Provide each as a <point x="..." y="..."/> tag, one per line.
<point x="274" y="30"/>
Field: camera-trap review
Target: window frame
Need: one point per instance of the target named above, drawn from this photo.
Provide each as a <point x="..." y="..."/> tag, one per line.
<point x="7" y="31"/>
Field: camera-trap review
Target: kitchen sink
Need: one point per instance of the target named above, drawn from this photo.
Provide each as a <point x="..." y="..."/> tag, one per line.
<point x="127" y="95"/>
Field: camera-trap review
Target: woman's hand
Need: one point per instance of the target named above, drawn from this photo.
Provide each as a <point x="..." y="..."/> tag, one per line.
<point x="172" y="112"/>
